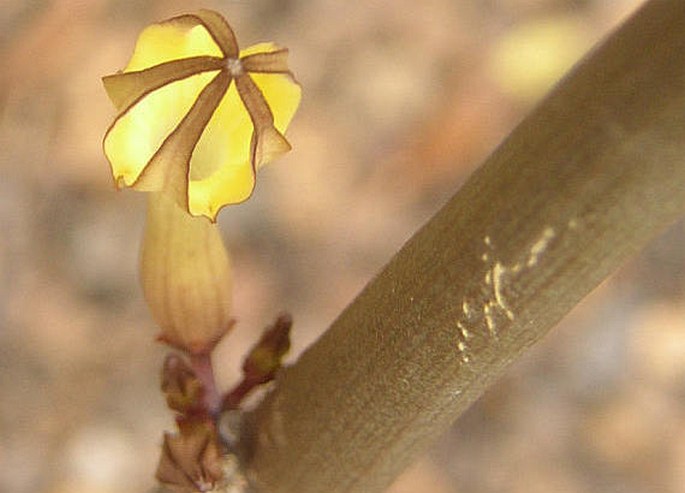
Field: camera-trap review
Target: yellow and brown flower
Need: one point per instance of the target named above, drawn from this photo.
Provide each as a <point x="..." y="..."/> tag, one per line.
<point x="197" y="117"/>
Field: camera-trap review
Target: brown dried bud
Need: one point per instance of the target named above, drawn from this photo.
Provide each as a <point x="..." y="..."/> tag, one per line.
<point x="266" y="357"/>
<point x="191" y="459"/>
<point x="184" y="392"/>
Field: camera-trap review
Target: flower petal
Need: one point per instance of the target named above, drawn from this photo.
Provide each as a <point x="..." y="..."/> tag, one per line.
<point x="282" y="94"/>
<point x="170" y="165"/>
<point x="126" y="87"/>
<point x="267" y="142"/>
<point x="229" y="185"/>
<point x="234" y="145"/>
<point x="139" y="131"/>
<point x="221" y="169"/>
<point x="184" y="36"/>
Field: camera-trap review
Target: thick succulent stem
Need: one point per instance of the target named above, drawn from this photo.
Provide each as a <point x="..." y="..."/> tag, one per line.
<point x="584" y="182"/>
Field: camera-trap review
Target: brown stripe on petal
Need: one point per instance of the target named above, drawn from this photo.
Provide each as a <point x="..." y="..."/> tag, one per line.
<point x="267" y="142"/>
<point x="171" y="163"/>
<point x="126" y="88"/>
<point x="268" y="63"/>
<point x="219" y="30"/>
<point x="185" y="21"/>
<point x="254" y="101"/>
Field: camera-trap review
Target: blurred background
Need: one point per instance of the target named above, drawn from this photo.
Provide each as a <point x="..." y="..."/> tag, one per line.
<point x="402" y="99"/>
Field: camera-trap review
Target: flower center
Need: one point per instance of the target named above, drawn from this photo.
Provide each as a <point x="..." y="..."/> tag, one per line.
<point x="234" y="66"/>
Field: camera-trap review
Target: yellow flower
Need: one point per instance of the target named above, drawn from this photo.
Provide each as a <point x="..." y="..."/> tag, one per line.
<point x="197" y="117"/>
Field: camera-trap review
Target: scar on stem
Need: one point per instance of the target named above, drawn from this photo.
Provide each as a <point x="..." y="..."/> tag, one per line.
<point x="489" y="320"/>
<point x="466" y="308"/>
<point x="462" y="349"/>
<point x="497" y="274"/>
<point x="540" y="246"/>
<point x="464" y="332"/>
